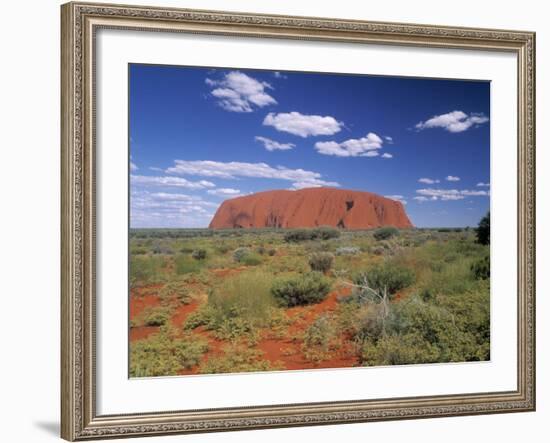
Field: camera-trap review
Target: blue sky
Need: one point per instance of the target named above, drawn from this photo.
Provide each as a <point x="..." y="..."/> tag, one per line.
<point x="200" y="135"/>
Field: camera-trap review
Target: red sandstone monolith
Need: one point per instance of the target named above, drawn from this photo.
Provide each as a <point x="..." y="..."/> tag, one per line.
<point x="311" y="207"/>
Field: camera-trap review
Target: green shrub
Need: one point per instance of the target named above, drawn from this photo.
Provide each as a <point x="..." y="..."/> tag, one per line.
<point x="451" y="278"/>
<point x="389" y="276"/>
<point x="138" y="250"/>
<point x="184" y="264"/>
<point x="368" y="322"/>
<point x="240" y="253"/>
<point x="483" y="231"/>
<point x="175" y="292"/>
<point x="385" y="232"/>
<point x="318" y="338"/>
<point x="145" y="270"/>
<point x="399" y="350"/>
<point x="481" y="269"/>
<point x="451" y="330"/>
<point x="240" y="307"/>
<point x="162" y="248"/>
<point x="321" y="261"/>
<point x="238" y="358"/>
<point x="310" y="288"/>
<point x="321" y="233"/>
<point x="222" y="247"/>
<point x="348" y="250"/>
<point x="165" y="354"/>
<point x="251" y="260"/>
<point x="199" y="254"/>
<point x="326" y="233"/>
<point x="155" y="316"/>
<point x="298" y="235"/>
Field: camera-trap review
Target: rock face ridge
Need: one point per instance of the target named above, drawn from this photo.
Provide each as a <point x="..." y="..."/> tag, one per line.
<point x="311" y="207"/>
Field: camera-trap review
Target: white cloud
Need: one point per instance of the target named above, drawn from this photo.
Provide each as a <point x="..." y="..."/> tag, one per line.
<point x="278" y="74"/>
<point x="371" y="154"/>
<point x="386" y="155"/>
<point x="238" y="92"/>
<point x="448" y="194"/>
<point x="313" y="183"/>
<point x="475" y="193"/>
<point x="361" y="147"/>
<point x="452" y="178"/>
<point x="455" y="121"/>
<point x="388" y="139"/>
<point x="224" y="192"/>
<point x="303" y="125"/>
<point x="167" y="196"/>
<point x="133" y="166"/>
<point x="230" y="170"/>
<point x="178" y="182"/>
<point x="272" y="145"/>
<point x="399" y="198"/>
<point x="481" y="184"/>
<point x="428" y="181"/>
<point x="421" y="198"/>
<point x="164" y="209"/>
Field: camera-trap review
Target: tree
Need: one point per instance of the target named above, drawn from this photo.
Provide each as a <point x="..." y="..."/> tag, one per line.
<point x="483" y="230"/>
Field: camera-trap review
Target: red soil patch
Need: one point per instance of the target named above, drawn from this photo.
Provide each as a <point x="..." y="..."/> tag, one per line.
<point x="288" y="351"/>
<point x="182" y="312"/>
<point x="142" y="298"/>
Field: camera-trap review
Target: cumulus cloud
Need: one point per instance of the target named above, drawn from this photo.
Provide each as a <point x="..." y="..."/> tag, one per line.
<point x="452" y="178"/>
<point x="164" y="209"/>
<point x="455" y="121"/>
<point x="398" y="198"/>
<point x="272" y="145"/>
<point x="178" y="182"/>
<point x="313" y="183"/>
<point x="448" y="194"/>
<point x="238" y="92"/>
<point x="386" y="155"/>
<point x="354" y="147"/>
<point x="224" y="192"/>
<point x="303" y="125"/>
<point x="484" y="185"/>
<point x="428" y="181"/>
<point x="231" y="170"/>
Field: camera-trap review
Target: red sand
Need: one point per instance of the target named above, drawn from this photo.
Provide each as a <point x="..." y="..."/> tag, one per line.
<point x="182" y="312"/>
<point x="142" y="332"/>
<point x="139" y="303"/>
<point x="309" y="208"/>
<point x="286" y="351"/>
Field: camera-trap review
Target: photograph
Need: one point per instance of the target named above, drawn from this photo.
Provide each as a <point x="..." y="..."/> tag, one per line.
<point x="285" y="220"/>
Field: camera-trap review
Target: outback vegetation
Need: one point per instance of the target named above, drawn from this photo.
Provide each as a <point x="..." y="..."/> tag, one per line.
<point x="215" y="301"/>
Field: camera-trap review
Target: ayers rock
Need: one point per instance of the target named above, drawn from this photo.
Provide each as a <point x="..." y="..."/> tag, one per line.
<point x="310" y="207"/>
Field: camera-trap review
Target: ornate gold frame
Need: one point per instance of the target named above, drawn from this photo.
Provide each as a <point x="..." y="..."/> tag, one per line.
<point x="79" y="420"/>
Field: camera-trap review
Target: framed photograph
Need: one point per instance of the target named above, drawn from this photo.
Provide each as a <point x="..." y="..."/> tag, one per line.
<point x="284" y="221"/>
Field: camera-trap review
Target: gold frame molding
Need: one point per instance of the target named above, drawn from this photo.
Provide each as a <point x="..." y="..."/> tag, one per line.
<point x="79" y="22"/>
